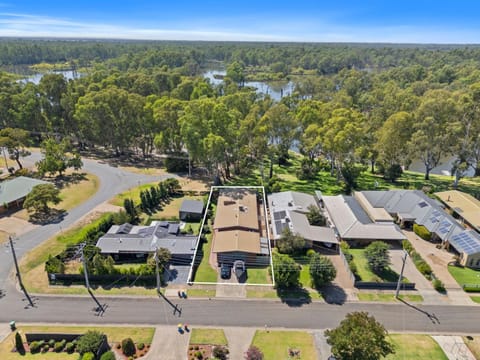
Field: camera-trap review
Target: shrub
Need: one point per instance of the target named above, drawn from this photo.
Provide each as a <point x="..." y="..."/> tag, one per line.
<point x="19" y="343"/>
<point x="423" y="267"/>
<point x="310" y="253"/>
<point x="407" y="246"/>
<point x="199" y="355"/>
<point x="88" y="356"/>
<point x="128" y="347"/>
<point x="70" y="347"/>
<point x="438" y="285"/>
<point x="59" y="346"/>
<point x="141" y="346"/>
<point x="90" y="342"/>
<point x="353" y="267"/>
<point x="422" y="231"/>
<point x="253" y="353"/>
<point x="35" y="347"/>
<point x="220" y="352"/>
<point x="377" y="256"/>
<point x="322" y="270"/>
<point x="45" y="348"/>
<point x="51" y="343"/>
<point x="109" y="355"/>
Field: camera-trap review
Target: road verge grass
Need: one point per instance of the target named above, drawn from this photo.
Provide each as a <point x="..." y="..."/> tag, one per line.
<point x="415" y="346"/>
<point x="275" y="344"/>
<point x="208" y="337"/>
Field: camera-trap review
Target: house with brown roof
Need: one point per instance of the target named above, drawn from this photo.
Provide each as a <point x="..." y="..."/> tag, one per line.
<point x="237" y="228"/>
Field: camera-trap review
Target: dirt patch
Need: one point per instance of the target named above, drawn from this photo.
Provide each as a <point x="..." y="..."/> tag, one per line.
<point x="194" y="184"/>
<point x="13" y="225"/>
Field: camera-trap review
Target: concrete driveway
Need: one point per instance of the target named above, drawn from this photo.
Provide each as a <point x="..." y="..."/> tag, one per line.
<point x="438" y="260"/>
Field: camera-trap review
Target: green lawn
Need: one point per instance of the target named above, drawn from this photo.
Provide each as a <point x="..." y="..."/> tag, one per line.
<point x="329" y="185"/>
<point x="275" y="344"/>
<point x="208" y="337"/>
<point x="133" y="193"/>
<point x="473" y="343"/>
<point x="305" y="278"/>
<point x="205" y="273"/>
<point x="415" y="347"/>
<point x="388" y="297"/>
<point x="258" y="275"/>
<point x="262" y="294"/>
<point x="201" y="293"/>
<point x="114" y="335"/>
<point x="465" y="275"/>
<point x="475" y="299"/>
<point x="364" y="272"/>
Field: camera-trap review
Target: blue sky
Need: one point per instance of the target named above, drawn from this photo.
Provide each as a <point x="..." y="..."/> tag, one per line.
<point x="397" y="21"/>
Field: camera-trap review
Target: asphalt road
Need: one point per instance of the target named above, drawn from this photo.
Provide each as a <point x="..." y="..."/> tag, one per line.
<point x="112" y="181"/>
<point x="245" y="313"/>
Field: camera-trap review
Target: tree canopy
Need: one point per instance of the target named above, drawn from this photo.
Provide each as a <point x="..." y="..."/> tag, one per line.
<point x="359" y="336"/>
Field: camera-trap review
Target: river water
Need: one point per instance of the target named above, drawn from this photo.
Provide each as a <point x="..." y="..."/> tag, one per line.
<point x="276" y="89"/>
<point x="67" y="74"/>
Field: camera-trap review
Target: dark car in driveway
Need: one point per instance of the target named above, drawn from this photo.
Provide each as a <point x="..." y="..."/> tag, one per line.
<point x="225" y="271"/>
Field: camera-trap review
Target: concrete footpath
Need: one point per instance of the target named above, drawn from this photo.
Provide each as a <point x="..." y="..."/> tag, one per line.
<point x="454" y="347"/>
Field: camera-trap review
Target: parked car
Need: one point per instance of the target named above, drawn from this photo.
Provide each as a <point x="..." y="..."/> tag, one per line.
<point x="225" y="271"/>
<point x="239" y="268"/>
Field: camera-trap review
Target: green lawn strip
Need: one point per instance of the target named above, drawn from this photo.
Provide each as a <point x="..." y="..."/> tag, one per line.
<point x="275" y="344"/>
<point x="208" y="337"/>
<point x="258" y="275"/>
<point x="133" y="193"/>
<point x="201" y="293"/>
<point x="415" y="346"/>
<point x="473" y="343"/>
<point x="465" y="276"/>
<point x="362" y="296"/>
<point x="262" y="294"/>
<point x="475" y="299"/>
<point x="204" y="272"/>
<point x="364" y="272"/>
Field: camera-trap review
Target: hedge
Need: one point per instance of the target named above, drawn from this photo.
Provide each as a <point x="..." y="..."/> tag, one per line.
<point x="422" y="231"/>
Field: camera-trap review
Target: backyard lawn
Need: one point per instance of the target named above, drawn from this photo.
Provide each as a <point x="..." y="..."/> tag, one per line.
<point x="275" y="344"/>
<point x="465" y="275"/>
<point x="329" y="185"/>
<point x="415" y="346"/>
<point x="364" y="272"/>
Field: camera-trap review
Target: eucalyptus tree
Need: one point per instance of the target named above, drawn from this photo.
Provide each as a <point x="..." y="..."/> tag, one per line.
<point x="432" y="137"/>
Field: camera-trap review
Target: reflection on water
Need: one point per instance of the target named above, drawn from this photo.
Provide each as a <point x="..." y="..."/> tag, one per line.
<point x="67" y="74"/>
<point x="276" y="89"/>
<point x="444" y="168"/>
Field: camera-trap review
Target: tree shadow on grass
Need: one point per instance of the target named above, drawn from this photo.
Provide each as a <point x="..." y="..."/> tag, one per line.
<point x="54" y="216"/>
<point x="294" y="297"/>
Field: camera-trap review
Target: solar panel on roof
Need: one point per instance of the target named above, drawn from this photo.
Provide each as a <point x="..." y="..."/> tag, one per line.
<point x="279" y="215"/>
<point x="279" y="226"/>
<point x="422" y="204"/>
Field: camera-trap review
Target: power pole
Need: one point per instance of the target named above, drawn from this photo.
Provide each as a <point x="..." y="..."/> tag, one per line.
<point x="157" y="270"/>
<point x="85" y="271"/>
<point x="18" y="272"/>
<point x="401" y="274"/>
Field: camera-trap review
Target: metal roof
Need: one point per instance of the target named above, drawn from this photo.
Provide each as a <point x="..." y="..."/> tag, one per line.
<point x="18" y="188"/>
<point x="352" y="222"/>
<point x="464" y="204"/>
<point x="291" y="200"/>
<point x="467" y="241"/>
<point x="192" y="206"/>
